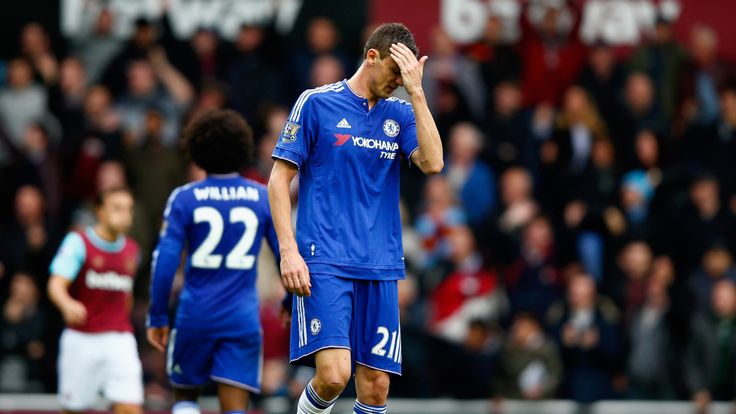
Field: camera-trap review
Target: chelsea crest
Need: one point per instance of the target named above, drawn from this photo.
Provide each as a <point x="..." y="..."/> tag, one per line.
<point x="391" y="128"/>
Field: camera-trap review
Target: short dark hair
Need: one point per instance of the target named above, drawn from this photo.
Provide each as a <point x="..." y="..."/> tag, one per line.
<point x="219" y="141"/>
<point x="102" y="195"/>
<point x="389" y="33"/>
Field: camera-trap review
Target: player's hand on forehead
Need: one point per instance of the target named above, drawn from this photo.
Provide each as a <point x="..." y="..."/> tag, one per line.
<point x="411" y="68"/>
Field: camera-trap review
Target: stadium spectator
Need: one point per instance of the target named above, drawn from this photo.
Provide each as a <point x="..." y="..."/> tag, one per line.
<point x="30" y="239"/>
<point x="508" y="141"/>
<point x="709" y="361"/>
<point x="704" y="75"/>
<point x="253" y="81"/>
<point x="66" y="100"/>
<point x="585" y="326"/>
<point x="42" y="166"/>
<point x="529" y="365"/>
<point x="321" y="39"/>
<point x="95" y="44"/>
<point x="704" y="221"/>
<point x="663" y="59"/>
<point x="275" y="120"/>
<point x="22" y="331"/>
<point x="498" y="57"/>
<point x="552" y="55"/>
<point x="325" y="70"/>
<point x="570" y="148"/>
<point x="469" y="291"/>
<point x="440" y="214"/>
<point x="603" y="77"/>
<point x="717" y="265"/>
<point x="36" y="47"/>
<point x="472" y="181"/>
<point x="533" y="280"/>
<point x="447" y="65"/>
<point x="153" y="84"/>
<point x="651" y="354"/>
<point x="22" y="101"/>
<point x="144" y="39"/>
<point x="640" y="112"/>
<point x="632" y="287"/>
<point x="713" y="146"/>
<point x="518" y="206"/>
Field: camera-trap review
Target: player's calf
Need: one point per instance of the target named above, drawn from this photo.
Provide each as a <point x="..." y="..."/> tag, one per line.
<point x="371" y="386"/>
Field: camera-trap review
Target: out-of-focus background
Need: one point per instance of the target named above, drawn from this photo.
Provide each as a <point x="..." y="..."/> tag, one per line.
<point x="578" y="246"/>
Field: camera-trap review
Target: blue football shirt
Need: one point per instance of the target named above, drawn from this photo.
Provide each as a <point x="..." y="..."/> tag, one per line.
<point x="349" y="157"/>
<point x="220" y="221"/>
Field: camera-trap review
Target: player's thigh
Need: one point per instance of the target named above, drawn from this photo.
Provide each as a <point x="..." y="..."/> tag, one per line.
<point x="239" y="362"/>
<point x="79" y="367"/>
<point x="377" y="333"/>
<point x="189" y="358"/>
<point x="321" y="321"/>
<point x="123" y="373"/>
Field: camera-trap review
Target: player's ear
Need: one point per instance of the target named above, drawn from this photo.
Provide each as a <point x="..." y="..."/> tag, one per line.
<point x="372" y="57"/>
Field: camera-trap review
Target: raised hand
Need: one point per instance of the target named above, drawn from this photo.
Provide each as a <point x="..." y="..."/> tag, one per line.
<point x="411" y="68"/>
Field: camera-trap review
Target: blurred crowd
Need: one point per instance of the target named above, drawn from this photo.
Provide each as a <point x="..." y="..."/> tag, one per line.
<point x="579" y="243"/>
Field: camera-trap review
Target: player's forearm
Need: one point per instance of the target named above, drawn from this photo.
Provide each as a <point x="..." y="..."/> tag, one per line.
<point x="58" y="291"/>
<point x="280" y="202"/>
<point x="429" y="155"/>
<point x="166" y="262"/>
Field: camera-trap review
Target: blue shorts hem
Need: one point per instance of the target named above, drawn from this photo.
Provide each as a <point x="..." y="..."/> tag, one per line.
<point x="305" y="354"/>
<point x="237" y="384"/>
<point x="188" y="386"/>
<point x="379" y="369"/>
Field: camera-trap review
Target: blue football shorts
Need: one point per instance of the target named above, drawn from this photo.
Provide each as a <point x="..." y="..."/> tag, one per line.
<point x="194" y="358"/>
<point x="359" y="315"/>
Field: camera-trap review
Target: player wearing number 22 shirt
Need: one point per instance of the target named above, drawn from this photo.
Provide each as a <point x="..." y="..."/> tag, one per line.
<point x="220" y="221"/>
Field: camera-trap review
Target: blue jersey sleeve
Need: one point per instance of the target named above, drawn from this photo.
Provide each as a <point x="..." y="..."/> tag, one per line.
<point x="296" y="138"/>
<point x="166" y="259"/>
<point x="408" y="142"/>
<point x="70" y="257"/>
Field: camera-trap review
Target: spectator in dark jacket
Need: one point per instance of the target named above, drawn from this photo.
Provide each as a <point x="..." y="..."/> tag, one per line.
<point x="710" y="362"/>
<point x="529" y="366"/>
<point x="586" y="328"/>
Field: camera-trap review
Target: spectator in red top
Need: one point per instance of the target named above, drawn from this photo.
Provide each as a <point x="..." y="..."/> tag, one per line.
<point x="552" y="55"/>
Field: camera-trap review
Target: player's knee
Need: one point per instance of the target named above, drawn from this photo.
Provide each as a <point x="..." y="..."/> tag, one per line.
<point x="332" y="381"/>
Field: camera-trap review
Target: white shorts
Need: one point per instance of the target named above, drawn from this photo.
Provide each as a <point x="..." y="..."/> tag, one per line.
<point x="94" y="363"/>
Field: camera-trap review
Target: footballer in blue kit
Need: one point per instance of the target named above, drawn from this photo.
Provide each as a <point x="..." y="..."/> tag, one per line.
<point x="347" y="140"/>
<point x="220" y="222"/>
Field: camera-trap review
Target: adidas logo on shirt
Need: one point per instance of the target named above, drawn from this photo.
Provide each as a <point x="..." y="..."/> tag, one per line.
<point x="343" y="124"/>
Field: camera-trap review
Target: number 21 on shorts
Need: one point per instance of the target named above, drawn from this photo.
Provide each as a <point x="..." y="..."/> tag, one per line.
<point x="394" y="349"/>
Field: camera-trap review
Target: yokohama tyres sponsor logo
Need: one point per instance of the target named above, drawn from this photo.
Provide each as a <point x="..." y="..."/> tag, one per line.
<point x="369" y="143"/>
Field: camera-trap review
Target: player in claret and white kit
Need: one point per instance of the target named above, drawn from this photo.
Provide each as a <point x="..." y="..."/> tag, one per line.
<point x="220" y="221"/>
<point x="91" y="283"/>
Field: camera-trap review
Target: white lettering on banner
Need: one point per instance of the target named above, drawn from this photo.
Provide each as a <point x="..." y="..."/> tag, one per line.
<point x="185" y="16"/>
<point x="108" y="281"/>
<point x="617" y="22"/>
<point x="226" y="193"/>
